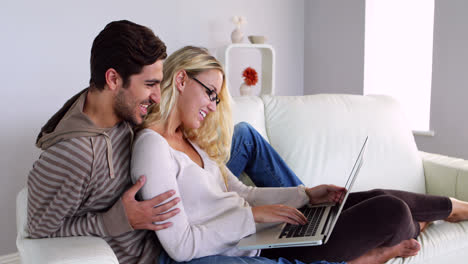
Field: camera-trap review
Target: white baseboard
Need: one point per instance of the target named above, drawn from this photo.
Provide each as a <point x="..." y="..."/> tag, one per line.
<point x="10" y="259"/>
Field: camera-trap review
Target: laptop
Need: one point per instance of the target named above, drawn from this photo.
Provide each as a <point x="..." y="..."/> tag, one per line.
<point x="321" y="221"/>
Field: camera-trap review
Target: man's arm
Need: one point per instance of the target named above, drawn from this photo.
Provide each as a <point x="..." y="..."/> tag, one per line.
<point x="143" y="215"/>
<point x="56" y="191"/>
<point x="56" y="186"/>
<point x="127" y="214"/>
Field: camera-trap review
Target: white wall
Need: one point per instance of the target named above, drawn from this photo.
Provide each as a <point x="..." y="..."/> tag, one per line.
<point x="44" y="53"/>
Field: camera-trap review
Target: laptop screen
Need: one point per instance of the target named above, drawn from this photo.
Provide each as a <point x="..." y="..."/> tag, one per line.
<point x="356" y="167"/>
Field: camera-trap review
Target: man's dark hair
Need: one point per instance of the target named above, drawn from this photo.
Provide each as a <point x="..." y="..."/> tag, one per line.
<point x="126" y="47"/>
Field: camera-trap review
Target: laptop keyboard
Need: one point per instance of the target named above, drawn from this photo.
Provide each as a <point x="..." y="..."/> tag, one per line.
<point x="313" y="215"/>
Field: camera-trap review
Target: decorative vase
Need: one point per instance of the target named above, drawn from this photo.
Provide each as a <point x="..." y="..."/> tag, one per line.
<point x="246" y="90"/>
<point x="237" y="36"/>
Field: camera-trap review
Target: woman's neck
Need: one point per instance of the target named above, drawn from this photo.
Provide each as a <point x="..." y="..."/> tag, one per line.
<point x="171" y="128"/>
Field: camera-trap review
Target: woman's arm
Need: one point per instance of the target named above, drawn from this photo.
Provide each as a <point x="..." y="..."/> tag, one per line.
<point x="256" y="196"/>
<point x="278" y="204"/>
<point x="183" y="241"/>
<point x="290" y="196"/>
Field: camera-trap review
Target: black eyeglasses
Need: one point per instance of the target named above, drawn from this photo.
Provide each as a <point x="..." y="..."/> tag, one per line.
<point x="211" y="93"/>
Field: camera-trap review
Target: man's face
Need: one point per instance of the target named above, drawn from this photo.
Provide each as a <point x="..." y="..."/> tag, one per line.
<point x="132" y="102"/>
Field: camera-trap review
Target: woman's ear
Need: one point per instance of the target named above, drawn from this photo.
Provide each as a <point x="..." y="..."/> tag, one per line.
<point x="113" y="79"/>
<point x="181" y="80"/>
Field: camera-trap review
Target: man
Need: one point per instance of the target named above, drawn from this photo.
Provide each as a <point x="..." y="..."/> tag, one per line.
<point x="80" y="185"/>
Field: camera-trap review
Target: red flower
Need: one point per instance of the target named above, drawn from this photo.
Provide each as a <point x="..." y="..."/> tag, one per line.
<point x="250" y="76"/>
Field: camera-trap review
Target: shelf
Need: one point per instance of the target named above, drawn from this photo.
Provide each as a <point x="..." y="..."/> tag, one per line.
<point x="268" y="64"/>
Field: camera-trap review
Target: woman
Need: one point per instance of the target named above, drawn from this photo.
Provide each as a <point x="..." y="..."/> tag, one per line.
<point x="184" y="144"/>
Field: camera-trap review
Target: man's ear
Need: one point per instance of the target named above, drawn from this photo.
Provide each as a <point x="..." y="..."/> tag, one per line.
<point x="181" y="80"/>
<point x="113" y="79"/>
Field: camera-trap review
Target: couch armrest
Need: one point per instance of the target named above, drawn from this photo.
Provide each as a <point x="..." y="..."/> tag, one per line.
<point x="69" y="250"/>
<point x="445" y="176"/>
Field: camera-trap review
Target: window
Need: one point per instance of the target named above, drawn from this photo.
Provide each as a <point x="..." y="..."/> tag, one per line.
<point x="398" y="55"/>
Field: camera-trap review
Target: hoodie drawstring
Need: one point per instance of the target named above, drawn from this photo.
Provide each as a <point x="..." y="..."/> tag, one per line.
<point x="109" y="150"/>
<point x="109" y="157"/>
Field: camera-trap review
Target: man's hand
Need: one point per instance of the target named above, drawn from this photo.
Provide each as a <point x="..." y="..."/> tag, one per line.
<point x="141" y="215"/>
<point x="325" y="193"/>
<point x="278" y="213"/>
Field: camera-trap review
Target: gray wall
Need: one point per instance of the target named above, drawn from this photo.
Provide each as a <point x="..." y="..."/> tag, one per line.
<point x="334" y="63"/>
<point x="45" y="59"/>
<point x="449" y="108"/>
<point x="334" y="46"/>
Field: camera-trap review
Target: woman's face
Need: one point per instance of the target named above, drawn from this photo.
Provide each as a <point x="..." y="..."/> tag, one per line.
<point x="194" y="101"/>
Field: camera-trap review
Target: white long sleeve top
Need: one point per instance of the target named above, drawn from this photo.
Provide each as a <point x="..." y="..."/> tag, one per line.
<point x="212" y="219"/>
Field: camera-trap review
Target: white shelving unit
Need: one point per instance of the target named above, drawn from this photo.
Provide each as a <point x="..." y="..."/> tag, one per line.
<point x="268" y="64"/>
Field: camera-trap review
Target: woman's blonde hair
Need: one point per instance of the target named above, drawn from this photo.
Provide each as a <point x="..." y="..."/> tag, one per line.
<point x="215" y="134"/>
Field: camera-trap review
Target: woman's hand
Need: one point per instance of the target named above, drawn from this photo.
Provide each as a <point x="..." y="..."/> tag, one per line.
<point x="325" y="193"/>
<point x="278" y="213"/>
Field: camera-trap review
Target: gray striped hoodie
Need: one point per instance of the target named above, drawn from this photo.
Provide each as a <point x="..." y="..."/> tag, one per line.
<point x="74" y="188"/>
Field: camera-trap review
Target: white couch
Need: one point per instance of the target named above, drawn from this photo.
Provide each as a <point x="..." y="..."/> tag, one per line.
<point x="319" y="136"/>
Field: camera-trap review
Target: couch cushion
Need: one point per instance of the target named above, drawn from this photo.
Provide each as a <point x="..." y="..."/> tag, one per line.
<point x="320" y="136"/>
<point x="250" y="109"/>
<point x="441" y="242"/>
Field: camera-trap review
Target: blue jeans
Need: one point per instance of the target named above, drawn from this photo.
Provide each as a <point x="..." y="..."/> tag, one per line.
<point x="251" y="153"/>
<point x="165" y="259"/>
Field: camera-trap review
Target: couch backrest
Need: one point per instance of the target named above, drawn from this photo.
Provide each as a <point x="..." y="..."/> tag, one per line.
<point x="250" y="109"/>
<point x="320" y="136"/>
